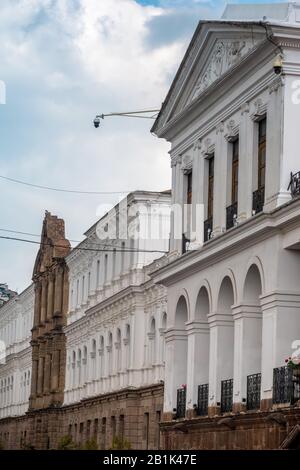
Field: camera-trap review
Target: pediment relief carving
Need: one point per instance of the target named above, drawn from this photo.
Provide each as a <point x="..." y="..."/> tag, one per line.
<point x="225" y="54"/>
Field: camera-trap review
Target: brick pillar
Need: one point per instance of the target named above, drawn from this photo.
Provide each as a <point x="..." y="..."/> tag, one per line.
<point x="40" y="377"/>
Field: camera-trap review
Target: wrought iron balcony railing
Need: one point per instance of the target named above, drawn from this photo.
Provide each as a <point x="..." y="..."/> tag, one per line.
<point x="286" y="385"/>
<point x="181" y="403"/>
<point x="294" y="185"/>
<point x="208" y="226"/>
<point x="226" y="395"/>
<point x="231" y="215"/>
<point x="202" y="406"/>
<point x="258" y="200"/>
<point x="253" y="391"/>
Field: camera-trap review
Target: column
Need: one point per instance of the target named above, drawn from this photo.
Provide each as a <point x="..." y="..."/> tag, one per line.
<point x="55" y="370"/>
<point x="58" y="291"/>
<point x="34" y="373"/>
<point x="40" y="379"/>
<point x="47" y="373"/>
<point x="247" y="154"/>
<point x="50" y="300"/>
<point x="220" y="355"/>
<point x="37" y="303"/>
<point x="220" y="177"/>
<point x="198" y="359"/>
<point x="280" y="331"/>
<point x="282" y="145"/>
<point x="247" y="349"/>
<point x="44" y="301"/>
<point x="175" y="369"/>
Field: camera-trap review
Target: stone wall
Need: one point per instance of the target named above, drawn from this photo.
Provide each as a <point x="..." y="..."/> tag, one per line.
<point x="131" y="415"/>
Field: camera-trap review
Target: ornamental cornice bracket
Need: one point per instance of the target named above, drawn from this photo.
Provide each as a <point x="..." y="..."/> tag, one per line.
<point x="208" y="148"/>
<point x="276" y="84"/>
<point x="260" y="109"/>
<point x="232" y="131"/>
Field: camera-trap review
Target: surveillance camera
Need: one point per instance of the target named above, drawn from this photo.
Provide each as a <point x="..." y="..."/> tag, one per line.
<point x="97" y="122"/>
<point x="277" y="65"/>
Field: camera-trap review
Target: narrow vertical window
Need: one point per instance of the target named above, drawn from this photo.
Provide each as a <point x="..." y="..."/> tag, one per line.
<point x="189" y="187"/>
<point x="231" y="210"/>
<point x="208" y="223"/>
<point x="262" y="134"/>
<point x="259" y="194"/>
<point x="105" y="267"/>
<point x="210" y="202"/>
<point x="98" y="274"/>
<point x="235" y="172"/>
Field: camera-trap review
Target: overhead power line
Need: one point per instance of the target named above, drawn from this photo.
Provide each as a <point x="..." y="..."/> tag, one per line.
<point x="86" y="240"/>
<point x="99" y="250"/>
<point x="62" y="190"/>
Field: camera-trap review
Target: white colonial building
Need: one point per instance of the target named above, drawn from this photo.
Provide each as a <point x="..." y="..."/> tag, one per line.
<point x="117" y="315"/>
<point x="16" y="319"/>
<point x="233" y="276"/>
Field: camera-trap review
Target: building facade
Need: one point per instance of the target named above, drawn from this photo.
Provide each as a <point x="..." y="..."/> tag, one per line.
<point x="16" y="317"/>
<point x="98" y="323"/>
<point x="232" y="275"/>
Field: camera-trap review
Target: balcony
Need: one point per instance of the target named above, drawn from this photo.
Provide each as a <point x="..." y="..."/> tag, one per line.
<point x="208" y="226"/>
<point x="181" y="403"/>
<point x="258" y="200"/>
<point x="286" y="386"/>
<point x="202" y="406"/>
<point x="226" y="395"/>
<point x="253" y="391"/>
<point x="231" y="215"/>
<point x="294" y="185"/>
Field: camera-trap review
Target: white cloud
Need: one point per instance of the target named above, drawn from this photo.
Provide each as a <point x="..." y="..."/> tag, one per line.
<point x="63" y="62"/>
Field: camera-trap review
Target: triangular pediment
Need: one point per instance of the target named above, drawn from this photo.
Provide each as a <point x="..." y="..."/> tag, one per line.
<point x="215" y="50"/>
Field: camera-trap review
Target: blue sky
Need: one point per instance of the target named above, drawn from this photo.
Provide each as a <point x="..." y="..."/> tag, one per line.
<point x="63" y="61"/>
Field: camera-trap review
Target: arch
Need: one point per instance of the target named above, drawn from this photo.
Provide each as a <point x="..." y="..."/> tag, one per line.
<point x="255" y="260"/>
<point x="203" y="303"/>
<point x="152" y="325"/>
<point x="252" y="285"/>
<point x="181" y="312"/>
<point x="164" y="321"/>
<point x="226" y="296"/>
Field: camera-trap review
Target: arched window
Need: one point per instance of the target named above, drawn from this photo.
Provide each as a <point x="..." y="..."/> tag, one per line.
<point x="152" y="342"/>
<point x="85" y="365"/>
<point x="93" y="359"/>
<point x="73" y="369"/>
<point x="101" y="356"/>
<point x="79" y="368"/>
<point x="118" y="349"/>
<point x="127" y="346"/>
<point x="110" y="354"/>
<point x="163" y="341"/>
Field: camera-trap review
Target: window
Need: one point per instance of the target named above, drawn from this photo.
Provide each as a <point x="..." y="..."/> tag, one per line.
<point x="262" y="133"/>
<point x="189" y="187"/>
<point x="235" y="172"/>
<point x="98" y="274"/>
<point x="105" y="267"/>
<point x="82" y="289"/>
<point x="210" y="201"/>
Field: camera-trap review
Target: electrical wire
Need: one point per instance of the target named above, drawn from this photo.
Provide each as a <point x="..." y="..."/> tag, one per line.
<point x="48" y="188"/>
<point x="86" y="240"/>
<point x="99" y="250"/>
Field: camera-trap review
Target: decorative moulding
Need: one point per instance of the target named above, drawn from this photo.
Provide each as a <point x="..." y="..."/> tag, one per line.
<point x="260" y="109"/>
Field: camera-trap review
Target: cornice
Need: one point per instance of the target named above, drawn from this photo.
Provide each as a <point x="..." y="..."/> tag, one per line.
<point x="248" y="233"/>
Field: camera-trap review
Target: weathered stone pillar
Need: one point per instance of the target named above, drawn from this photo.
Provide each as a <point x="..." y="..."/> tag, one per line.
<point x="47" y="373"/>
<point x="40" y="379"/>
<point x="55" y="370"/>
<point x="44" y="301"/>
<point x="37" y="303"/>
<point x="50" y="299"/>
<point x="58" y="291"/>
